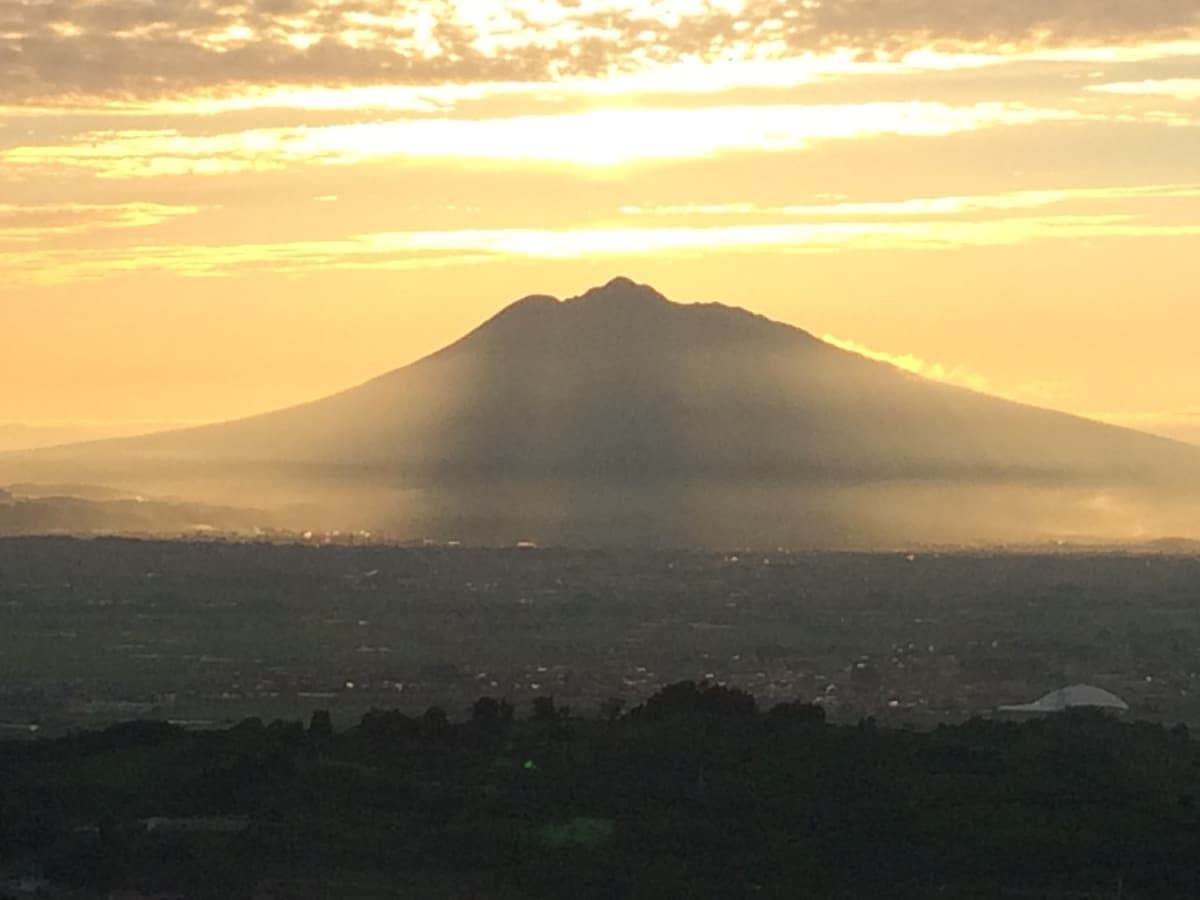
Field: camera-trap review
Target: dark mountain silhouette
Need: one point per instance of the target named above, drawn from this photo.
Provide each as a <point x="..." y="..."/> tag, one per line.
<point x="619" y="416"/>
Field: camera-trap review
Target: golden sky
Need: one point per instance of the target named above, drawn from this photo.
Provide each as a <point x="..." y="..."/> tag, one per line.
<point x="214" y="208"/>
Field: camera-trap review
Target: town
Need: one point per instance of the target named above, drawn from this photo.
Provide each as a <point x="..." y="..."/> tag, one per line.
<point x="208" y="633"/>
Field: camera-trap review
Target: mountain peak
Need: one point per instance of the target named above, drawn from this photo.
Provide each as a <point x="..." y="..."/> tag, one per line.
<point x="621" y="291"/>
<point x="618" y="304"/>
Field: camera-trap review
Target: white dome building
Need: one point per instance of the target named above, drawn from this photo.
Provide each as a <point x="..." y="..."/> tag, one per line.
<point x="1074" y="696"/>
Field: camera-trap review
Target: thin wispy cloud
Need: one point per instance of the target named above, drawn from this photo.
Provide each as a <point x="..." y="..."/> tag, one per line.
<point x="39" y="222"/>
<point x="428" y="249"/>
<point x="603" y="137"/>
<point x="923" y="206"/>
<point x="956" y="375"/>
<point x="1176" y="88"/>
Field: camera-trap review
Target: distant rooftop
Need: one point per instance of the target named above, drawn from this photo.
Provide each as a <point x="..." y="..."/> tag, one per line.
<point x="1068" y="697"/>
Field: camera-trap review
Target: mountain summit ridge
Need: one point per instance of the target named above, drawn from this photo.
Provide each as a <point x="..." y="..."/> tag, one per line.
<point x="637" y="317"/>
<point x="621" y="290"/>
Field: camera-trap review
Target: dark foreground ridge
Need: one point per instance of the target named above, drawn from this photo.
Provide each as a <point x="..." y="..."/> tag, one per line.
<point x="694" y="794"/>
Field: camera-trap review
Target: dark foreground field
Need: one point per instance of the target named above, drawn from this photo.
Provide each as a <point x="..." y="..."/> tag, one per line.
<point x="695" y="794"/>
<point x="99" y="631"/>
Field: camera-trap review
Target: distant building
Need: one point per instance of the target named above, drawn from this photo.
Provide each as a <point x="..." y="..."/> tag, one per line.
<point x="1076" y="695"/>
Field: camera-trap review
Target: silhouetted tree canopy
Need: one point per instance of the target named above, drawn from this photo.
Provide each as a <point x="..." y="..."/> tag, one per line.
<point x="490" y="711"/>
<point x="378" y="723"/>
<point x="321" y="724"/>
<point x="797" y="711"/>
<point x="544" y="709"/>
<point x="690" y="698"/>
<point x="435" y="722"/>
<point x="656" y="804"/>
<point x="611" y="709"/>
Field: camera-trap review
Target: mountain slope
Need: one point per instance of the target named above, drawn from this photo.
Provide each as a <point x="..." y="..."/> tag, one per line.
<point x="619" y="414"/>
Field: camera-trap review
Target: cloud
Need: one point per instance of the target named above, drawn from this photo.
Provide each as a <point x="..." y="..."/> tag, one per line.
<point x="922" y="207"/>
<point x="957" y="375"/>
<point x="1177" y="88"/>
<point x="899" y="25"/>
<point x="603" y="137"/>
<point x="35" y="223"/>
<point x="427" y="249"/>
<point x="65" y="48"/>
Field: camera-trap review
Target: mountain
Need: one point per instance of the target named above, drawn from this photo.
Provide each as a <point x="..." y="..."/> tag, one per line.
<point x="621" y="417"/>
<point x="23" y="436"/>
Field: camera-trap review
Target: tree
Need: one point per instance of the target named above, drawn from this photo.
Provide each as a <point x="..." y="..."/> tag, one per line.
<point x="490" y="711"/>
<point x="544" y="709"/>
<point x="705" y="698"/>
<point x="435" y="722"/>
<point x="285" y="731"/>
<point x="321" y="725"/>
<point x="797" y="711"/>
<point x="381" y="724"/>
<point x="612" y="708"/>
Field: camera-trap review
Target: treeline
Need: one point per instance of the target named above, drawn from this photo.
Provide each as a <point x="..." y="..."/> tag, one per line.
<point x="685" y="698"/>
<point x="697" y="792"/>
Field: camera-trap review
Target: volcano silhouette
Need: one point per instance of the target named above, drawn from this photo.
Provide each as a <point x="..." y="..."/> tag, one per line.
<point x="620" y="417"/>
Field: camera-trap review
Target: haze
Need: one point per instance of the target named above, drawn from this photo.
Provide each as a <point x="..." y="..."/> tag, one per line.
<point x="619" y="418"/>
<point x="208" y="211"/>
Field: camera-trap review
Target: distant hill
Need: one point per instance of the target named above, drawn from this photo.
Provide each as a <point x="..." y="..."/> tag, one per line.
<point x="620" y="417"/>
<point x="61" y="513"/>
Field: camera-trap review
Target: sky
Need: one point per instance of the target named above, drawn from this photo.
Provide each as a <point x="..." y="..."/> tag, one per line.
<point x="214" y="208"/>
